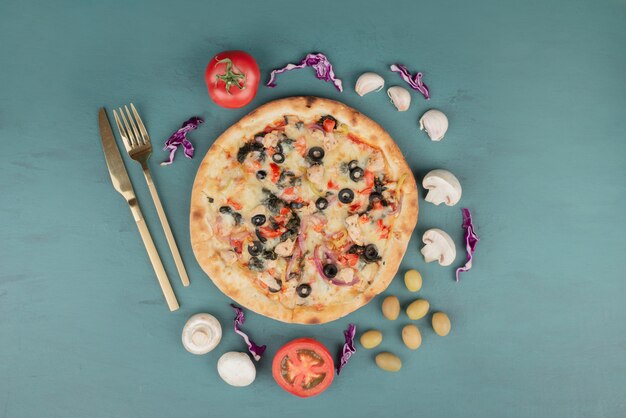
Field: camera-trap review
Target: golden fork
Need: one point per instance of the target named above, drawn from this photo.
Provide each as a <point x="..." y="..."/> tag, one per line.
<point x="139" y="148"/>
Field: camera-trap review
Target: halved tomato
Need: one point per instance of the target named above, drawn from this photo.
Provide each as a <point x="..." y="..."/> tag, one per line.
<point x="303" y="367"/>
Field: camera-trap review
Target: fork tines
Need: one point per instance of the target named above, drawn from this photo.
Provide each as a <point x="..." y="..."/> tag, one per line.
<point x="133" y="131"/>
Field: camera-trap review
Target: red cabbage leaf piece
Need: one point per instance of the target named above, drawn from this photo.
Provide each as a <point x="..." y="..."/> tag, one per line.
<point x="179" y="138"/>
<point x="319" y="62"/>
<point x="415" y="81"/>
<point x="255" y="350"/>
<point x="348" y="348"/>
<point x="471" y="239"/>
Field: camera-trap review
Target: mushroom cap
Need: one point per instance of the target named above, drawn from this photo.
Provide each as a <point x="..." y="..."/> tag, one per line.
<point x="201" y="334"/>
<point x="443" y="187"/>
<point x="435" y="123"/>
<point x="236" y="369"/>
<point x="439" y="246"/>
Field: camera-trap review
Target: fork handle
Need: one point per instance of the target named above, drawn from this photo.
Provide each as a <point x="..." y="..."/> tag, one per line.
<point x="164" y="282"/>
<point x="166" y="227"/>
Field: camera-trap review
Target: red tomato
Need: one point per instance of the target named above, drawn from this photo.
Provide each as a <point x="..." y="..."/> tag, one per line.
<point x="303" y="367"/>
<point x="232" y="78"/>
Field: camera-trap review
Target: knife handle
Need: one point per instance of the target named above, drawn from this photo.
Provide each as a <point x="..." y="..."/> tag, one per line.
<point x="162" y="278"/>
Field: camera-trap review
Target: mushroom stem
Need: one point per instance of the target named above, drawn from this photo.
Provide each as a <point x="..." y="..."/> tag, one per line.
<point x="199" y="337"/>
<point x="430" y="253"/>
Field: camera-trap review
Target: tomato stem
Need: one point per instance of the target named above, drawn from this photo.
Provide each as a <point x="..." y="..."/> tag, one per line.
<point x="230" y="77"/>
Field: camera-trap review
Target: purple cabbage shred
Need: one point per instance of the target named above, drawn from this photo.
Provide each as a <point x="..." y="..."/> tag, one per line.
<point x="319" y="62"/>
<point x="179" y="138"/>
<point x="255" y="350"/>
<point x="415" y="81"/>
<point x="348" y="348"/>
<point x="471" y="239"/>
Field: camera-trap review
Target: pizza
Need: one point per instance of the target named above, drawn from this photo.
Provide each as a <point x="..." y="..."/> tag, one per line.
<point x="302" y="210"/>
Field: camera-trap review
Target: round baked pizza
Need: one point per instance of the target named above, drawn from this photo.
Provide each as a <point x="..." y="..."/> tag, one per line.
<point x="302" y="210"/>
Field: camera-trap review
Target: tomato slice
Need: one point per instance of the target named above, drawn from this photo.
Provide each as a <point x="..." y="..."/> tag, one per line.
<point x="275" y="172"/>
<point x="300" y="145"/>
<point x="235" y="205"/>
<point x="268" y="232"/>
<point x="329" y="125"/>
<point x="303" y="367"/>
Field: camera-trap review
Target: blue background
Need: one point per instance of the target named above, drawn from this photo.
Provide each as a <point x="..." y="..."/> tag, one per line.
<point x="536" y="96"/>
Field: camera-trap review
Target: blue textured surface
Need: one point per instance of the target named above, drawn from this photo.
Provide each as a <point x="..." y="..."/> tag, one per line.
<point x="536" y="96"/>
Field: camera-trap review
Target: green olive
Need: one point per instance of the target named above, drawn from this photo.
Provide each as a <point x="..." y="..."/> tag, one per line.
<point x="389" y="362"/>
<point x="413" y="280"/>
<point x="441" y="323"/>
<point x="411" y="337"/>
<point x="391" y="308"/>
<point x="371" y="338"/>
<point x="417" y="309"/>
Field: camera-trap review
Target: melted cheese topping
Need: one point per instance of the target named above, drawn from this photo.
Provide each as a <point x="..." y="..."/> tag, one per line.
<point x="267" y="220"/>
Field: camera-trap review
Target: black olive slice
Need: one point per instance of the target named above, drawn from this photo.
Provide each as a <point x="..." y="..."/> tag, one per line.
<point x="304" y="290"/>
<point x="258" y="220"/>
<point x="356" y="174"/>
<point x="261" y="174"/>
<point x="255" y="248"/>
<point x="346" y="196"/>
<point x="371" y="252"/>
<point x="321" y="203"/>
<point x="278" y="158"/>
<point x="330" y="270"/>
<point x="316" y="153"/>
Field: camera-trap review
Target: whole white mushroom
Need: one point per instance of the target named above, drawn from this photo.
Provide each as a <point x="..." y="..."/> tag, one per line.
<point x="202" y="333"/>
<point x="435" y="123"/>
<point x="236" y="369"/>
<point x="443" y="187"/>
<point x="439" y="246"/>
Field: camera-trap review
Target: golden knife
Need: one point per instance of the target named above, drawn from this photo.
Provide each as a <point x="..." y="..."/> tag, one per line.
<point x="121" y="183"/>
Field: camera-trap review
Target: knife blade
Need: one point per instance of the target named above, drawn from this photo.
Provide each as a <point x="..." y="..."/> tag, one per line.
<point x="115" y="164"/>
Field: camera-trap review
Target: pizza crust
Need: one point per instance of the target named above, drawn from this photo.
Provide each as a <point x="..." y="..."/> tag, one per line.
<point x="234" y="282"/>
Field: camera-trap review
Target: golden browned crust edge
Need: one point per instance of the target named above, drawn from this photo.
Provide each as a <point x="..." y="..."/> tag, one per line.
<point x="236" y="284"/>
